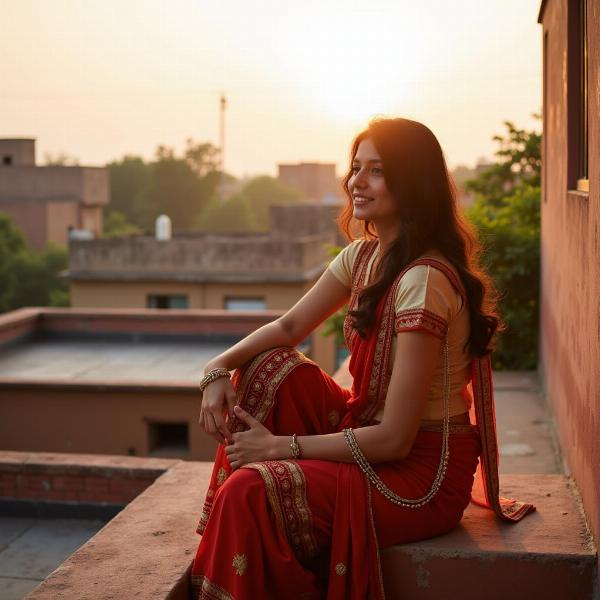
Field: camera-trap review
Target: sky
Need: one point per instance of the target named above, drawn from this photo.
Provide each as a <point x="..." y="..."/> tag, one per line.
<point x="99" y="79"/>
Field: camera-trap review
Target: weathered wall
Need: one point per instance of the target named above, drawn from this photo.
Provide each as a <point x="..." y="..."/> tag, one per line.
<point x="570" y="286"/>
<point x="97" y="420"/>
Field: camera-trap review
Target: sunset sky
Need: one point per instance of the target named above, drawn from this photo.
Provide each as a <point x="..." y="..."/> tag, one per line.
<point x="100" y="79"/>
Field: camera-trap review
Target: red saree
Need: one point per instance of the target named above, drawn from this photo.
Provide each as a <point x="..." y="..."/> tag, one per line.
<point x="313" y="528"/>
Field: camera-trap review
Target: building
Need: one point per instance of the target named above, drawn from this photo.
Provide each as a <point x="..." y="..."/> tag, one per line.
<point x="570" y="238"/>
<point x="46" y="202"/>
<point x="207" y="271"/>
<point x="317" y="181"/>
<point x="112" y="381"/>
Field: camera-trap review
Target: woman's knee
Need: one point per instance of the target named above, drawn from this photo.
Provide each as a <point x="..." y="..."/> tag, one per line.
<point x="241" y="483"/>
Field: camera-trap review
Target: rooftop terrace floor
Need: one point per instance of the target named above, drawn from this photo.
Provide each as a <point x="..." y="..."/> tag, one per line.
<point x="94" y="360"/>
<point x="30" y="549"/>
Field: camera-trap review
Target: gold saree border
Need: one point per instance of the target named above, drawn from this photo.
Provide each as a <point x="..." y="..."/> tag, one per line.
<point x="285" y="484"/>
<point x="506" y="508"/>
<point x="256" y="383"/>
<point x="259" y="381"/>
<point x="204" y="589"/>
<point x="420" y="318"/>
<point x="359" y="273"/>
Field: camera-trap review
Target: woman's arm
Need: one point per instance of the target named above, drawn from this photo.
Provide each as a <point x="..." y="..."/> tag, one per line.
<point x="326" y="296"/>
<point x="417" y="354"/>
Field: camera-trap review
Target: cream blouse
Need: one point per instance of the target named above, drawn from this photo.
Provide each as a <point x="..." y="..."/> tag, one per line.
<point x="424" y="286"/>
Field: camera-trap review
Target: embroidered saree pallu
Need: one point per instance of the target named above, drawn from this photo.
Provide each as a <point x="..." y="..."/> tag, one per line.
<point x="313" y="528"/>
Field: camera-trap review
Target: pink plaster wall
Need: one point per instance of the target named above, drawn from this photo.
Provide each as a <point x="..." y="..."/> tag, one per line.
<point x="570" y="286"/>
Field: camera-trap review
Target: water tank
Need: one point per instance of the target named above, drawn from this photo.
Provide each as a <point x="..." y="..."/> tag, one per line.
<point x="163" y="228"/>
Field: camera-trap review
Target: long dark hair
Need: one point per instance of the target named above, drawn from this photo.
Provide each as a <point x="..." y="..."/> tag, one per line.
<point x="416" y="174"/>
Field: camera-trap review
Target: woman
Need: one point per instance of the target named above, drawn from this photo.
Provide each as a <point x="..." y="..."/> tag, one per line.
<point x="311" y="479"/>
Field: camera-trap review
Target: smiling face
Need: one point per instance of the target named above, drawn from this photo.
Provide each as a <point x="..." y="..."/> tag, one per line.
<point x="372" y="201"/>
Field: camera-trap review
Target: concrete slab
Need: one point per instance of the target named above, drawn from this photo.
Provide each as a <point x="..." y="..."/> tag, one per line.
<point x="43" y="546"/>
<point x="550" y="554"/>
<point x="526" y="437"/>
<point x="97" y="360"/>
<point x="16" y="589"/>
<point x="158" y="528"/>
<point x="11" y="529"/>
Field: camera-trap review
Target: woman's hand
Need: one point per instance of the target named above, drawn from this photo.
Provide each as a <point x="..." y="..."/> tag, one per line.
<point x="216" y="398"/>
<point x="254" y="445"/>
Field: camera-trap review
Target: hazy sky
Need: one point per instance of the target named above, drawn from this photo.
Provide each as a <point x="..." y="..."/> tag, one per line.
<point x="100" y="79"/>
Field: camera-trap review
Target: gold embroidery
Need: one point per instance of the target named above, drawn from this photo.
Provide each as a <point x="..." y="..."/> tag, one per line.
<point x="204" y="589"/>
<point x="285" y="485"/>
<point x="221" y="476"/>
<point x="256" y="383"/>
<point x="210" y="493"/>
<point x="239" y="564"/>
<point x="333" y="417"/>
<point x="420" y="318"/>
<point x="340" y="569"/>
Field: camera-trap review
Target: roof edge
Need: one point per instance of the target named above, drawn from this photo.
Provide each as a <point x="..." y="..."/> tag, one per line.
<point x="541" y="11"/>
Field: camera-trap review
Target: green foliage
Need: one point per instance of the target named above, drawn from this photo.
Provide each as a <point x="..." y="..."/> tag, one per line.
<point x="247" y="211"/>
<point x="128" y="177"/>
<point x="233" y="215"/>
<point x="263" y="191"/>
<point x="506" y="214"/>
<point x="510" y="233"/>
<point x="519" y="163"/>
<point x="179" y="186"/>
<point x="115" y="224"/>
<point x="29" y="278"/>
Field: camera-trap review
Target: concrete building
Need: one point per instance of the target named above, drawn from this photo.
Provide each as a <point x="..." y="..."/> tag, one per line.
<point x="205" y="271"/>
<point x="317" y="181"/>
<point x="45" y="202"/>
<point x="112" y="381"/>
<point x="570" y="244"/>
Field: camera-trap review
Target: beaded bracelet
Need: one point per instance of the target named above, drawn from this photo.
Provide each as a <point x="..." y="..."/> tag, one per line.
<point x="212" y="375"/>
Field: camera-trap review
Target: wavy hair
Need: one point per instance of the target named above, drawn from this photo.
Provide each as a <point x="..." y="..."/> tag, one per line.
<point x="415" y="172"/>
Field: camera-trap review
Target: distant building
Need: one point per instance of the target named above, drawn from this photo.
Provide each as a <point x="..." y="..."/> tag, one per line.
<point x="47" y="202"/>
<point x="317" y="181"/>
<point x="212" y="271"/>
<point x="570" y="238"/>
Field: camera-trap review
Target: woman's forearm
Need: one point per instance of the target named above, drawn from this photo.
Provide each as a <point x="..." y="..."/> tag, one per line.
<point x="268" y="336"/>
<point x="376" y="445"/>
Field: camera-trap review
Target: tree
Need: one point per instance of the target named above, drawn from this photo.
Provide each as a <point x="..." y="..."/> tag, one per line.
<point x="128" y="177"/>
<point x="263" y="191"/>
<point x="519" y="163"/>
<point x="179" y="186"/>
<point x="508" y="223"/>
<point x="116" y="224"/>
<point x="29" y="278"/>
<point x="234" y="215"/>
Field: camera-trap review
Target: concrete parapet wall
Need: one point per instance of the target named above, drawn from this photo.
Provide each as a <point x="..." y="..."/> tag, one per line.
<point x="200" y="258"/>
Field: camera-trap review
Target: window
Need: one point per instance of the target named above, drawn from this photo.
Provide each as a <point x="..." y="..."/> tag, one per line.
<point x="166" y="301"/>
<point x="168" y="439"/>
<point x="254" y="303"/>
<point x="578" y="97"/>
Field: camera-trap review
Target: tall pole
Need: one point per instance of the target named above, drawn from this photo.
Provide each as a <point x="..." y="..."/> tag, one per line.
<point x="222" y="143"/>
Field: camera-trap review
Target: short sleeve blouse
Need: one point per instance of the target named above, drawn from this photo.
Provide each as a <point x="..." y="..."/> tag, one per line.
<point x="425" y="300"/>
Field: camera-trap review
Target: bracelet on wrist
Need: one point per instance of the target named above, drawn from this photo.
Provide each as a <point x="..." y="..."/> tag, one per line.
<point x="212" y="375"/>
<point x="295" y="446"/>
